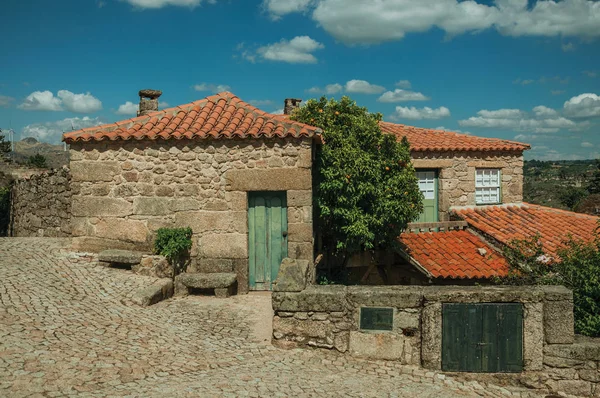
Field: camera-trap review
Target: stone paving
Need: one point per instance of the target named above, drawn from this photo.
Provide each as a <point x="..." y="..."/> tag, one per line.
<point x="68" y="328"/>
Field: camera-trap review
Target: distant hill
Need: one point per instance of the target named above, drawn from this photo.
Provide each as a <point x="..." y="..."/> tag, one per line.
<point x="561" y="184"/>
<point x="55" y="155"/>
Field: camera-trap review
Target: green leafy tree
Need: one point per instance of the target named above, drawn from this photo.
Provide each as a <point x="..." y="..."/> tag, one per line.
<point x="572" y="196"/>
<point x="594" y="185"/>
<point x="577" y="266"/>
<point x="365" y="185"/>
<point x="38" y="161"/>
<point x="4" y="145"/>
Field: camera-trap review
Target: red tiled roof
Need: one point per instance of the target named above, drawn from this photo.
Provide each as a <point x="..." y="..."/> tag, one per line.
<point x="505" y="223"/>
<point x="422" y="139"/>
<point x="454" y="254"/>
<point x="220" y="116"/>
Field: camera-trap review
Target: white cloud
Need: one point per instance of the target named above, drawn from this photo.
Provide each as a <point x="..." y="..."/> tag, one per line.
<point x="583" y="105"/>
<point x="586" y="144"/>
<point x="278" y="8"/>
<point x="128" y="108"/>
<point x="52" y="131"/>
<point x="557" y="92"/>
<point x="41" y="101"/>
<point x="453" y="130"/>
<point x="544" y="111"/>
<point x="566" y="47"/>
<point x="258" y="103"/>
<point x="329" y="89"/>
<point x="153" y="4"/>
<point x="359" y="21"/>
<point x="79" y="103"/>
<point x="65" y="100"/>
<point x="296" y="51"/>
<point x="5" y="101"/>
<point x="403" y="84"/>
<point x="590" y="73"/>
<point x="420" y="113"/>
<point x="543" y="120"/>
<point x="363" y="87"/>
<point x="277" y="112"/>
<point x="399" y="95"/>
<point x="524" y="82"/>
<point x="213" y="88"/>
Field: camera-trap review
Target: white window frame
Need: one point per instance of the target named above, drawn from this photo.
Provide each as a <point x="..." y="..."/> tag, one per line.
<point x="488" y="186"/>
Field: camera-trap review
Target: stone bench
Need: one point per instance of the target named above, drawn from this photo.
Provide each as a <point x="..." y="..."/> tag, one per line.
<point x="119" y="258"/>
<point x="223" y="283"/>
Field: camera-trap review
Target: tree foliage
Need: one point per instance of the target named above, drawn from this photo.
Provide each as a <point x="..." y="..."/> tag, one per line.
<point x="571" y="196"/>
<point x="594" y="185"/>
<point x="4" y="145"/>
<point x="365" y="185"/>
<point x="577" y="266"/>
<point x="38" y="161"/>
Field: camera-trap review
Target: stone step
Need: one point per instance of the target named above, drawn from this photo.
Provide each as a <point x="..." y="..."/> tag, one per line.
<point x="223" y="283"/>
<point x="120" y="256"/>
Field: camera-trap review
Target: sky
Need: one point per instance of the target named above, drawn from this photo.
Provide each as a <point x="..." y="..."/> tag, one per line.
<point x="513" y="69"/>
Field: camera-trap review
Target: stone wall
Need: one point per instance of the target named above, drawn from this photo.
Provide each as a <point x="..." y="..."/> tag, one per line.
<point x="41" y="205"/>
<point x="124" y="191"/>
<point x="328" y="317"/>
<point x="456" y="178"/>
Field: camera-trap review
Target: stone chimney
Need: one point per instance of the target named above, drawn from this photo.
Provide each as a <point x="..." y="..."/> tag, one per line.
<point x="290" y="104"/>
<point x="148" y="101"/>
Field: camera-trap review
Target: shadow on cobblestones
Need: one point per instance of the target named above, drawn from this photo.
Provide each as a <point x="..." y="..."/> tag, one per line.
<point x="67" y="327"/>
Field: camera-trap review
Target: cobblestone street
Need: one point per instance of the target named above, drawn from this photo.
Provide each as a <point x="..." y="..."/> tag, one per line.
<point x="67" y="327"/>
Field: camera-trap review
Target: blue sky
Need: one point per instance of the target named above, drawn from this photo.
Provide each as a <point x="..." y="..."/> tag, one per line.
<point x="511" y="69"/>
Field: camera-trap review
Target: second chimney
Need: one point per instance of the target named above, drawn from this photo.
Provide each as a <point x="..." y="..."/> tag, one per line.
<point x="148" y="101"/>
<point x="290" y="104"/>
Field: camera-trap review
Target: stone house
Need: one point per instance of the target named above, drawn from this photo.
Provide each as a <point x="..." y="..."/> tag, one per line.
<point x="239" y="177"/>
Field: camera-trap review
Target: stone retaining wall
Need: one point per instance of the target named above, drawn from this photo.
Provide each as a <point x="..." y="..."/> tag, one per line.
<point x="456" y="178"/>
<point x="328" y="317"/>
<point x="41" y="205"/>
<point x="124" y="191"/>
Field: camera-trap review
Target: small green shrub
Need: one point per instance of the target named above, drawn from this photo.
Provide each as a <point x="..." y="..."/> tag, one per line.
<point x="4" y="210"/>
<point x="38" y="161"/>
<point x="174" y="244"/>
<point x="576" y="266"/>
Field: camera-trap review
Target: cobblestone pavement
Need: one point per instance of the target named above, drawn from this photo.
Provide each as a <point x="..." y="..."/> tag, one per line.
<point x="68" y="328"/>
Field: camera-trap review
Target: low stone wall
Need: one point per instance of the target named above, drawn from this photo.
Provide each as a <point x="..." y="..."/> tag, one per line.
<point x="41" y="205"/>
<point x="327" y="317"/>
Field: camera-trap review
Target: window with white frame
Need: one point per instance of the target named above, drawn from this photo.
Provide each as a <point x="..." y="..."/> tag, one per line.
<point x="487" y="186"/>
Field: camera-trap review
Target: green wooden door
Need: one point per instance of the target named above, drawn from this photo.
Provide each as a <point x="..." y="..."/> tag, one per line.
<point x="428" y="185"/>
<point x="482" y="337"/>
<point x="267" y="237"/>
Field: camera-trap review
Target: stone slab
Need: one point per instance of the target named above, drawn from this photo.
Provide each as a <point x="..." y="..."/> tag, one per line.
<point x="386" y="296"/>
<point x="292" y="276"/>
<point x="158" y="291"/>
<point x="207" y="281"/>
<point x="120" y="256"/>
<point x="276" y="179"/>
<point x="559" y="323"/>
<point x="313" y="298"/>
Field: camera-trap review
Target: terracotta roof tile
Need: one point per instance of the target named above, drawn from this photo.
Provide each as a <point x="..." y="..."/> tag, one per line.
<point x="422" y="139"/>
<point x="454" y="254"/>
<point x="220" y="116"/>
<point x="508" y="222"/>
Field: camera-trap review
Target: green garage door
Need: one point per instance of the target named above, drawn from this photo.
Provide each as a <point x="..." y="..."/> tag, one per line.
<point x="482" y="337"/>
